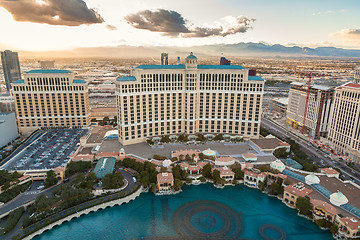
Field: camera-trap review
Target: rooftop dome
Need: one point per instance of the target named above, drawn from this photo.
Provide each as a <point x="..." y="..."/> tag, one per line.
<point x="191" y="56"/>
<point x="278" y="165"/>
<point x="312" y="179"/>
<point x="338" y="199"/>
<point x="209" y="152"/>
<point x="167" y="163"/>
<point x="122" y="150"/>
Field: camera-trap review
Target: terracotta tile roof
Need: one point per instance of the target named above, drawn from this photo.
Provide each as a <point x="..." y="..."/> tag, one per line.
<point x="194" y="168"/>
<point x="202" y="164"/>
<point x="86" y="157"/>
<point x="298" y="189"/>
<point x="249" y="155"/>
<point x="184" y="165"/>
<point x="165" y="177"/>
<point x="352" y="85"/>
<point x="225" y="159"/>
<point x="352" y="223"/>
<point x="327" y="206"/>
<point x="225" y="171"/>
<point x="329" y="171"/>
<point x="108" y="154"/>
<point x="253" y="174"/>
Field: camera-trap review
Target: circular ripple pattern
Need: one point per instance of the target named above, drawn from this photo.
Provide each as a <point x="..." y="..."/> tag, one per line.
<point x="272" y="227"/>
<point x="207" y="211"/>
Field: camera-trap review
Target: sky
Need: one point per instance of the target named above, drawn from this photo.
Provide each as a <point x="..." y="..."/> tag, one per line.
<point x="35" y="25"/>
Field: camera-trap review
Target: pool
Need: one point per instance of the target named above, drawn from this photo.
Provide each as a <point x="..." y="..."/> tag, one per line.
<point x="199" y="212"/>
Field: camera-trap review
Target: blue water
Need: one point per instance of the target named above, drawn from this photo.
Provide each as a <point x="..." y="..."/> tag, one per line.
<point x="237" y="211"/>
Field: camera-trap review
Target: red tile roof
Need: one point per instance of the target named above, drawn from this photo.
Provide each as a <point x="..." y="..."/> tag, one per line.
<point x="108" y="154"/>
<point x="352" y="223"/>
<point x="301" y="192"/>
<point x="329" y="171"/>
<point x="327" y="206"/>
<point x="165" y="177"/>
<point x="249" y="155"/>
<point x="353" y="85"/>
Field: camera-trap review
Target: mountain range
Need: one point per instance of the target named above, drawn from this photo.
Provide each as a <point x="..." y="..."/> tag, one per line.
<point x="240" y="49"/>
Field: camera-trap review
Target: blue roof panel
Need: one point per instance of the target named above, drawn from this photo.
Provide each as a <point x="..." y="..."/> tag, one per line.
<point x="179" y="66"/>
<point x="19" y="81"/>
<point x="126" y="78"/>
<point x="79" y="81"/>
<point x="48" y="71"/>
<point x="256" y="78"/>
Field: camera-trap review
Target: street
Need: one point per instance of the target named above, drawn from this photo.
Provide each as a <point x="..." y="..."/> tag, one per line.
<point x="312" y="152"/>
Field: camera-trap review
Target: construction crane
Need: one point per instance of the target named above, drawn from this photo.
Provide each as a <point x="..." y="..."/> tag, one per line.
<point x="297" y="68"/>
<point x="306" y="103"/>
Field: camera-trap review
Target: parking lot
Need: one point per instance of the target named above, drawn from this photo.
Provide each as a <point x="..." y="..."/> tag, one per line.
<point x="50" y="150"/>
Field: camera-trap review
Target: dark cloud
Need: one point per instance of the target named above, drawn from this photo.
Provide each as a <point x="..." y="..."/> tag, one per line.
<point x="171" y="23"/>
<point x="111" y="27"/>
<point x="54" y="12"/>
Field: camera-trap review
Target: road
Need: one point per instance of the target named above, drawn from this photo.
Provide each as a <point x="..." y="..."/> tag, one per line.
<point x="312" y="152"/>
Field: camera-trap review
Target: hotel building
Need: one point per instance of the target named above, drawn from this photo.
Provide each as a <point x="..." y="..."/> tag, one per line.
<point x="50" y="98"/>
<point x="318" y="109"/>
<point x="344" y="131"/>
<point x="188" y="99"/>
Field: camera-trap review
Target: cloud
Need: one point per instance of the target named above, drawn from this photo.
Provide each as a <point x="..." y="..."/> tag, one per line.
<point x="111" y="27"/>
<point x="53" y="12"/>
<point x="171" y="23"/>
<point x="352" y="35"/>
<point x="330" y="11"/>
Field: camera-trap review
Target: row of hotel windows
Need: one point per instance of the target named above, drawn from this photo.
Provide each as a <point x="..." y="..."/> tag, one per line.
<point x="49" y="122"/>
<point x="179" y="76"/>
<point x="47" y="81"/>
<point x="131" y="88"/>
<point x="175" y="127"/>
<point x="48" y="88"/>
<point x="351" y="95"/>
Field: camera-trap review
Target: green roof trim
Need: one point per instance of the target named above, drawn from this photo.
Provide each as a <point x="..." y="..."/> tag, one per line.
<point x="48" y="71"/>
<point x="104" y="166"/>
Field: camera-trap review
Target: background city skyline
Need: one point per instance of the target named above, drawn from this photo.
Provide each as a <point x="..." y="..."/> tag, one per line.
<point x="50" y="25"/>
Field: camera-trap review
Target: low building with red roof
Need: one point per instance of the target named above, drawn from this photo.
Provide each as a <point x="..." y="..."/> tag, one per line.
<point x="253" y="177"/>
<point x="224" y="161"/>
<point x="330" y="172"/>
<point x="249" y="157"/>
<point x="108" y="154"/>
<point x="293" y="192"/>
<point x="323" y="210"/>
<point x="349" y="227"/>
<point x="165" y="181"/>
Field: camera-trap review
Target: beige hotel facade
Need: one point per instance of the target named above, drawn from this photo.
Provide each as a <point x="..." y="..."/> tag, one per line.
<point x="50" y="98"/>
<point x="157" y="100"/>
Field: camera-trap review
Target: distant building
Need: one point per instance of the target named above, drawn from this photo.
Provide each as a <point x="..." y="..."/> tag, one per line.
<point x="165" y="181"/>
<point x="357" y="75"/>
<point x="11" y="67"/>
<point x="344" y="130"/>
<point x="47" y="64"/>
<point x="224" y="61"/>
<point x="318" y="110"/>
<point x="7" y="103"/>
<point x="164" y="59"/>
<point x="279" y="105"/>
<point x="188" y="98"/>
<point x="8" y="128"/>
<point x="50" y="98"/>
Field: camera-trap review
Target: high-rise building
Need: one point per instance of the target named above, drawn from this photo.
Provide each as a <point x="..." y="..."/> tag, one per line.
<point x="357" y="75"/>
<point x="50" y="98"/>
<point x="318" y="109"/>
<point x="47" y="64"/>
<point x="344" y="129"/>
<point x="164" y="59"/>
<point x="7" y="103"/>
<point x="11" y="67"/>
<point x="188" y="98"/>
<point x="8" y="128"/>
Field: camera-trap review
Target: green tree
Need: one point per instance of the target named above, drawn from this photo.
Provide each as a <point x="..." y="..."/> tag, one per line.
<point x="334" y="229"/>
<point x="183" y="138"/>
<point x="219" y="137"/>
<point x="51" y="179"/>
<point x="200" y="138"/>
<point x="281" y="153"/>
<point x="239" y="175"/>
<point x="165" y="139"/>
<point x="304" y="206"/>
<point x="206" y="171"/>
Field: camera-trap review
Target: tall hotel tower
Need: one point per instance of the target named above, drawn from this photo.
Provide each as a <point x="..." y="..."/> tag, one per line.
<point x="11" y="67"/>
<point x="188" y="98"/>
<point x="50" y="98"/>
